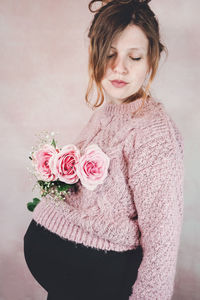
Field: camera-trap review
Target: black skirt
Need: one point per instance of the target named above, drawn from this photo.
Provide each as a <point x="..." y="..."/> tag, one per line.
<point x="72" y="271"/>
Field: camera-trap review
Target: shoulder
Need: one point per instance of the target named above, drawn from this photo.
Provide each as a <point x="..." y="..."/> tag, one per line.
<point x="94" y="118"/>
<point x="154" y="126"/>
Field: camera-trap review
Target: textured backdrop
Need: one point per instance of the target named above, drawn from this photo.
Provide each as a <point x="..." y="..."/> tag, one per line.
<point x="43" y="78"/>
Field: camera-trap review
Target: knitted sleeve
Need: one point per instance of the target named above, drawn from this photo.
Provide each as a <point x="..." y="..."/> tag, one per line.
<point x="155" y="177"/>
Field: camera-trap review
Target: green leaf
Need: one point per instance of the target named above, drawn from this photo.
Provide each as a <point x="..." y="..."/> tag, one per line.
<point x="36" y="201"/>
<point x="41" y="183"/>
<point x="61" y="183"/>
<point x="30" y="206"/>
<point x="63" y="188"/>
<point x="46" y="185"/>
<point x="44" y="194"/>
<point x="53" y="143"/>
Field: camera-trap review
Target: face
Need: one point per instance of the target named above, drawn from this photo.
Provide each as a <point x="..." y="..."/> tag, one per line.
<point x="127" y="62"/>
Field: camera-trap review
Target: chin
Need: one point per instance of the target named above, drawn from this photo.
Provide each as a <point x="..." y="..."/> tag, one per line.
<point x="116" y="96"/>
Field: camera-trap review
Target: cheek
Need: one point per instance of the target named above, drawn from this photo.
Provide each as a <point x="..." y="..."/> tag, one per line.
<point x="106" y="77"/>
<point x="139" y="72"/>
<point x="104" y="83"/>
<point x="107" y="73"/>
<point x="141" y="76"/>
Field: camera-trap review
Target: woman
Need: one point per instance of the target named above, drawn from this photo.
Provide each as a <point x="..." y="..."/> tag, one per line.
<point x="121" y="240"/>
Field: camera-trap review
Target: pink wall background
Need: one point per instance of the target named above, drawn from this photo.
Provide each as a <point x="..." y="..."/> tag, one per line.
<point x="43" y="78"/>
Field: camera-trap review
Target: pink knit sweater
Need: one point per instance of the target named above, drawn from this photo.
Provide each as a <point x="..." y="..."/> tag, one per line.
<point x="140" y="201"/>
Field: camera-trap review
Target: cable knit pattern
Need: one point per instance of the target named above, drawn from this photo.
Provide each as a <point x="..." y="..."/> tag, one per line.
<point x="141" y="200"/>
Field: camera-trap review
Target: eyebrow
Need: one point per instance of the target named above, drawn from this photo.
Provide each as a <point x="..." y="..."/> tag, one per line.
<point x="132" y="48"/>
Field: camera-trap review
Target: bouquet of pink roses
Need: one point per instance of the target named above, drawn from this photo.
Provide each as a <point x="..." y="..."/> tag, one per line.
<point x="58" y="170"/>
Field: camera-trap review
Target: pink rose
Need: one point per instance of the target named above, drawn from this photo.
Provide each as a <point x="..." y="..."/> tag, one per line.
<point x="64" y="164"/>
<point x="40" y="161"/>
<point x="92" y="168"/>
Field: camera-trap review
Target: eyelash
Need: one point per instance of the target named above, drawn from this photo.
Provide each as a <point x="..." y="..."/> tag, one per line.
<point x="138" y="58"/>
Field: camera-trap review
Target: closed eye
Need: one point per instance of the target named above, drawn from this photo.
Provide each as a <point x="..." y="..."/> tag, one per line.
<point x="109" y="56"/>
<point x="136" y="58"/>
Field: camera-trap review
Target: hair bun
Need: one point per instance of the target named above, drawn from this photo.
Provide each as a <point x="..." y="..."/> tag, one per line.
<point x="125" y="1"/>
<point x="105" y="2"/>
<point x="131" y="1"/>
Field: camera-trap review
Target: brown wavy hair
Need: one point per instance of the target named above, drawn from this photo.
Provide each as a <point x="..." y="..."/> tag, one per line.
<point x="109" y="20"/>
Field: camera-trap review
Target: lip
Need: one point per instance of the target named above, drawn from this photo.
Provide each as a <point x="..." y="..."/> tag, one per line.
<point x="118" y="83"/>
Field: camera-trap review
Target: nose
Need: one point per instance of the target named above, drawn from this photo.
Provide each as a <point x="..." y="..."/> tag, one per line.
<point x="119" y="66"/>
